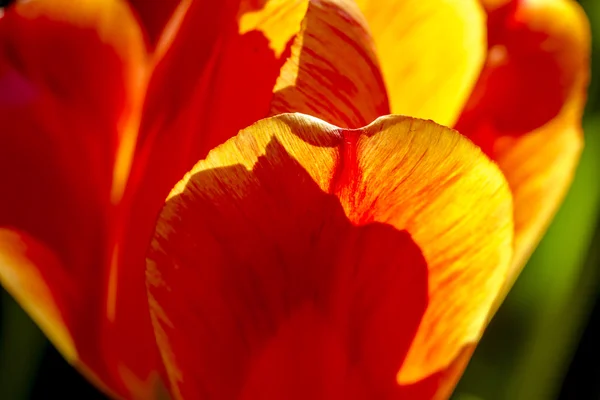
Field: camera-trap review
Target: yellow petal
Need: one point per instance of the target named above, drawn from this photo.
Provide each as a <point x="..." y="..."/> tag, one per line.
<point x="431" y="53"/>
<point x="278" y="20"/>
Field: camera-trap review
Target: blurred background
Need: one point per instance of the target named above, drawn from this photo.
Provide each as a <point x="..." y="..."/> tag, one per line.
<point x="543" y="344"/>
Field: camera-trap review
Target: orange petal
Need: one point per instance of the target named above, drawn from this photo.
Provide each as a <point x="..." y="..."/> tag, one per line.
<point x="301" y="260"/>
<point x="526" y="109"/>
<point x="333" y="72"/>
<point x="70" y="86"/>
<point x="431" y="53"/>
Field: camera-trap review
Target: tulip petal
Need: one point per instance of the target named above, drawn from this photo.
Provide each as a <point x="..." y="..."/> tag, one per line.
<point x="431" y="53"/>
<point x="332" y="72"/>
<point x="71" y="78"/>
<point x="344" y="263"/>
<point x="213" y="69"/>
<point x="526" y="109"/>
<point x="210" y="68"/>
<point x="47" y="294"/>
<point x="201" y="64"/>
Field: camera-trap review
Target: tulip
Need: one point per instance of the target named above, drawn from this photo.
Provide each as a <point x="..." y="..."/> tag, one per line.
<point x="317" y="246"/>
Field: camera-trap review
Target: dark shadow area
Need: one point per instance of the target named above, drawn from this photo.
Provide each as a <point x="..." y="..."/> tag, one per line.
<point x="56" y="379"/>
<point x="582" y="379"/>
<point x="6" y="3"/>
<point x="30" y="367"/>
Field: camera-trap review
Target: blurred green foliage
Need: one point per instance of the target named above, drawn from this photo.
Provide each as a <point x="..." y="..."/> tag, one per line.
<point x="21" y="346"/>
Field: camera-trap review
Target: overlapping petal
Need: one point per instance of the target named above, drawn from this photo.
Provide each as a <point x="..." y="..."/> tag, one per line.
<point x="332" y="72"/>
<point x="525" y="111"/>
<point x="344" y="65"/>
<point x="71" y="79"/>
<point x="206" y="70"/>
<point x="224" y="73"/>
<point x="78" y="116"/>
<point x="309" y="253"/>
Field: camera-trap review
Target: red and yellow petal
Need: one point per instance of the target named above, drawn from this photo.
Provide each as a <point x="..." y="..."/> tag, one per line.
<point x="340" y="60"/>
<point x="71" y="82"/>
<point x="430" y="51"/>
<point x="332" y="72"/>
<point x="344" y="263"/>
<point x="525" y="111"/>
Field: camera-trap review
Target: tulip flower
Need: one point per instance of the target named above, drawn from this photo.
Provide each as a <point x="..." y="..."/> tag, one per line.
<point x="221" y="199"/>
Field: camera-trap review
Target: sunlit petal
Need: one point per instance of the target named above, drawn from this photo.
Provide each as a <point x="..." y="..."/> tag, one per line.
<point x="290" y="249"/>
<point x="430" y="51"/>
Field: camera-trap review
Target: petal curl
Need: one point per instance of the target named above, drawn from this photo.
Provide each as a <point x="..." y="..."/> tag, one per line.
<point x="71" y="82"/>
<point x="332" y="72"/>
<point x="375" y="253"/>
<point x="525" y="111"/>
<point x="431" y="53"/>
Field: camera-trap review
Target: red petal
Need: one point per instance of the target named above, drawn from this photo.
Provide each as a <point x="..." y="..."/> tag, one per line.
<point x="284" y="265"/>
<point x="534" y="65"/>
<point x="210" y="82"/>
<point x="203" y="61"/>
<point x="70" y="79"/>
